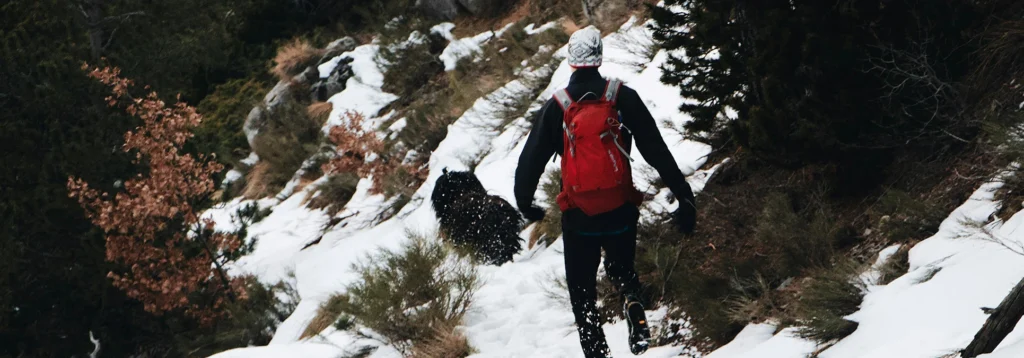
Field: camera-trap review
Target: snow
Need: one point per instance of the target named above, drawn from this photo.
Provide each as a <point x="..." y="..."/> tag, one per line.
<point x="464" y="47"/>
<point x="362" y="92"/>
<point x="934" y="309"/>
<point x="519" y="311"/>
<point x="531" y="30"/>
<point x="513" y="314"/>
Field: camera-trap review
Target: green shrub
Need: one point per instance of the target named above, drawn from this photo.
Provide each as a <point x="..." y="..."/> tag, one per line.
<point x="287" y="139"/>
<point x="830" y="295"/>
<point x="408" y="68"/>
<point x="895" y="266"/>
<point x="334" y="193"/>
<point x="549" y="229"/>
<point x="902" y="217"/>
<point x="330" y="313"/>
<point x="755" y="300"/>
<point x="405" y="296"/>
<point x="251" y="322"/>
<point x="794" y="241"/>
<point x="224" y="113"/>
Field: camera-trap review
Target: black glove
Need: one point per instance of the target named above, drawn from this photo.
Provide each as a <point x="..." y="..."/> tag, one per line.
<point x="686" y="216"/>
<point x="532" y="213"/>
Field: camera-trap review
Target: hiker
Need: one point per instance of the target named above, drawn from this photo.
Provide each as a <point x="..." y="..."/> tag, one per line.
<point x="598" y="200"/>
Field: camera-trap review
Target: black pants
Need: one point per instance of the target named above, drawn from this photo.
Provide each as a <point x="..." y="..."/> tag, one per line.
<point x="582" y="257"/>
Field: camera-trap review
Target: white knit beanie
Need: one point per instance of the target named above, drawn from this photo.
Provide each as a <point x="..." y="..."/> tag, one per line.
<point x="585" y="48"/>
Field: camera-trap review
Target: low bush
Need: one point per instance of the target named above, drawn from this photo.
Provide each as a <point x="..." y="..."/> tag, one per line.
<point x="224" y="113"/>
<point x="755" y="300"/>
<point x="250" y="322"/>
<point x="288" y="138"/>
<point x="830" y="295"/>
<point x="794" y="241"/>
<point x="319" y="112"/>
<point x="334" y="193"/>
<point x="405" y="296"/>
<point x="294" y="57"/>
<point x="895" y="266"/>
<point x="410" y="65"/>
<point x="447" y="342"/>
<point x="329" y="313"/>
<point x="902" y="217"/>
<point x="548" y="230"/>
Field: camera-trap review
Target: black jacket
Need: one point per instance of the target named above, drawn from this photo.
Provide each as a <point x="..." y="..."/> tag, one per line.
<point x="546" y="139"/>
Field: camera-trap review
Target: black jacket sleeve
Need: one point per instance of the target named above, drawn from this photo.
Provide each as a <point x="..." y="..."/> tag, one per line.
<point x="652" y="146"/>
<point x="545" y="138"/>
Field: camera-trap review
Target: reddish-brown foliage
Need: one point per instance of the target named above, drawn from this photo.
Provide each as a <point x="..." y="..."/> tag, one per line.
<point x="355" y="145"/>
<point x="168" y="254"/>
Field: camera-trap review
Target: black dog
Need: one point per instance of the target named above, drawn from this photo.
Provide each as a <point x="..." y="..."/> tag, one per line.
<point x="485" y="225"/>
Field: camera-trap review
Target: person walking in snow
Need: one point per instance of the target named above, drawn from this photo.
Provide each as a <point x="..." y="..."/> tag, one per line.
<point x="591" y="125"/>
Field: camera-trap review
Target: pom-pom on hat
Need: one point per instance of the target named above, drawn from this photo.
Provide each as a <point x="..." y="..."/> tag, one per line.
<point x="585" y="48"/>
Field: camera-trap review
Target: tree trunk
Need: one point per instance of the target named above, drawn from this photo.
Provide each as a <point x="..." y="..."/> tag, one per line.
<point x="93" y="13"/>
<point x="999" y="324"/>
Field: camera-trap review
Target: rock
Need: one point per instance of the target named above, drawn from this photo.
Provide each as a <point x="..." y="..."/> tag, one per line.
<point x="253" y="122"/>
<point x="484" y="7"/>
<point x="324" y="88"/>
<point x="440" y="9"/>
<point x="281" y="91"/>
<point x="338" y="47"/>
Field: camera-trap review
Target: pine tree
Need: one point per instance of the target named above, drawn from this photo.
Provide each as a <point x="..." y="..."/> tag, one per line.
<point x="817" y="80"/>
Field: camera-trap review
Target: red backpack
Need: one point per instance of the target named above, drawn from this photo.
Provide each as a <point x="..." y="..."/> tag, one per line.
<point x="596" y="176"/>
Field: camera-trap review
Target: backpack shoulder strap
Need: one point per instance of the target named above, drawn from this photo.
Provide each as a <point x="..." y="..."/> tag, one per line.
<point x="564" y="99"/>
<point x="611" y="90"/>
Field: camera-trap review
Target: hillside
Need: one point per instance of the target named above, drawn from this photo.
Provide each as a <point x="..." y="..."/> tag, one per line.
<point x="321" y="178"/>
<point x="512" y="314"/>
<point x="930" y="310"/>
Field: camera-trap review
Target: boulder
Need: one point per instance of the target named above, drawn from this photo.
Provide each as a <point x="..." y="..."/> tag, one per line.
<point x="439" y="9"/>
<point x="324" y="88"/>
<point x="338" y="47"/>
<point x="253" y="122"/>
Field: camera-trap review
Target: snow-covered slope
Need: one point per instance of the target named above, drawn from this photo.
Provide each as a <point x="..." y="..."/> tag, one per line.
<point x="513" y="315"/>
<point x="934" y="309"/>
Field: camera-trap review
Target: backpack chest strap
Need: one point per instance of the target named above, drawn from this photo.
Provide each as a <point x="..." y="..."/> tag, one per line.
<point x="564" y="99"/>
<point x="611" y="90"/>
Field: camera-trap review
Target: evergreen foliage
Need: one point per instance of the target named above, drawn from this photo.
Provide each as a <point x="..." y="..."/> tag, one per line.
<point x="832" y="294"/>
<point x="404" y="296"/>
<point x="820" y="80"/>
<point x="55" y="124"/>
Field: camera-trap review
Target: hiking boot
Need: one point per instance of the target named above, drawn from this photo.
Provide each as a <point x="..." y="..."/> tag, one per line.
<point x="639" y="333"/>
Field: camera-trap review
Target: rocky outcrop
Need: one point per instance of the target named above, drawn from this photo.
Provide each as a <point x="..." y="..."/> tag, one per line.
<point x="324" y="88"/>
<point x="440" y="9"/>
<point x="320" y="89"/>
<point x="338" y="47"/>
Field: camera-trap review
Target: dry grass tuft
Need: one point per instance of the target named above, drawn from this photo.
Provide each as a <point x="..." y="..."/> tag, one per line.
<point x="334" y="193"/>
<point x="447" y="342"/>
<point x="550" y="228"/>
<point x="294" y="57"/>
<point x="895" y="266"/>
<point x="326" y="315"/>
<point x="830" y="295"/>
<point x="319" y="112"/>
<point x="257" y="185"/>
